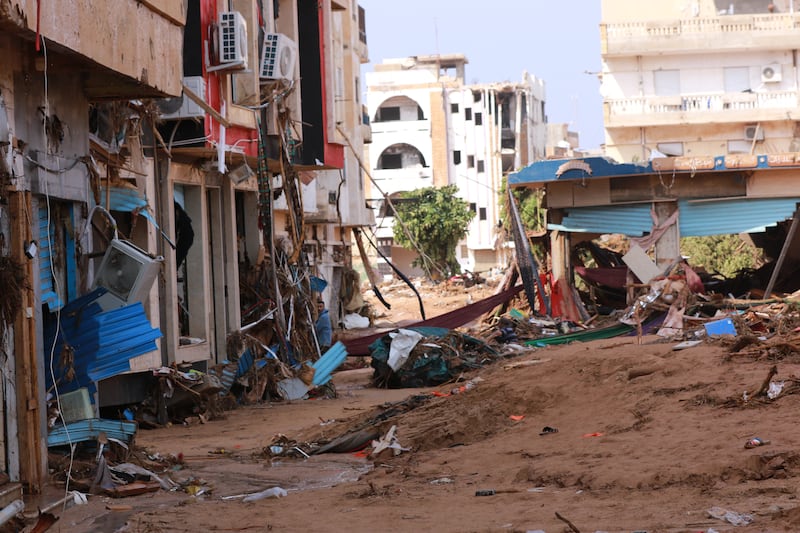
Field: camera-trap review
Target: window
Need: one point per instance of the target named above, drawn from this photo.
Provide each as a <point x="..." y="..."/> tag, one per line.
<point x="454" y="108"/>
<point x="456" y="157"/>
<point x="470" y="161"/>
<point x="391" y="161"/>
<point x="667" y="82"/>
<point x="482" y="213"/>
<point x="480" y="165"/>
<point x="737" y="79"/>
<point x="468" y="113"/>
<point x="473" y="207"/>
<point x="478" y="119"/>
<point x="386" y="114"/>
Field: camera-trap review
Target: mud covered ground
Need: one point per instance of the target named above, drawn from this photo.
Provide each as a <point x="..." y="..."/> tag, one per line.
<point x="648" y="439"/>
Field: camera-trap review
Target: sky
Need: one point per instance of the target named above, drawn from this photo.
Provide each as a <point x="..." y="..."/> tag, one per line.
<point x="556" y="41"/>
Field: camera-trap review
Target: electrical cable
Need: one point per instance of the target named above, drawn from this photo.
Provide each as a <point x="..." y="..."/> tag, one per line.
<point x="57" y="288"/>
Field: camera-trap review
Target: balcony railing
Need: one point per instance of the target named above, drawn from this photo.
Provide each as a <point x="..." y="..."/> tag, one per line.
<point x="695" y="34"/>
<point x="731" y="107"/>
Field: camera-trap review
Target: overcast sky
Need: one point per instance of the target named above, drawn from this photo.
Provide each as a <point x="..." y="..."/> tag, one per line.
<point x="557" y="41"/>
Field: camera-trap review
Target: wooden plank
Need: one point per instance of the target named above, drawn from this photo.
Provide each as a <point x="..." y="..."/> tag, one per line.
<point x="32" y="465"/>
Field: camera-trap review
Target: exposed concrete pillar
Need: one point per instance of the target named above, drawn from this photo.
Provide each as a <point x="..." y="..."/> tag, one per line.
<point x="668" y="247"/>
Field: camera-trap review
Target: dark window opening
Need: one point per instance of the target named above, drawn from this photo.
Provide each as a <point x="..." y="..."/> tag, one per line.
<point x="480" y="165"/>
<point x="454" y="108"/>
<point x="391" y="161"/>
<point x="387" y="114"/>
<point x="456" y="157"/>
<point x="473" y="207"/>
<point x="470" y="161"/>
<point x="478" y="119"/>
<point x="482" y="213"/>
<point x="468" y="113"/>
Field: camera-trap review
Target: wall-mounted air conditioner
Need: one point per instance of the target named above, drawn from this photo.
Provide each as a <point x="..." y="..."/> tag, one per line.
<point x="278" y="57"/>
<point x="127" y="273"/>
<point x="183" y="106"/>
<point x="232" y="40"/>
<point x="753" y="133"/>
<point x="771" y="73"/>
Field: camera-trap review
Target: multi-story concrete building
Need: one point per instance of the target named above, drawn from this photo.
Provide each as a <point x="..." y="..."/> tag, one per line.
<point x="431" y="129"/>
<point x="59" y="62"/>
<point x="153" y="155"/>
<point x="704" y="77"/>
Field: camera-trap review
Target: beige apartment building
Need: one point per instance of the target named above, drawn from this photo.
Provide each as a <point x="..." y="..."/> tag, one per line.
<point x="701" y="77"/>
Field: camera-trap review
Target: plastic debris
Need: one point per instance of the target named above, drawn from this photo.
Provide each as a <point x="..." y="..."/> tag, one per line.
<point x="274" y="492"/>
<point x="732" y="517"/>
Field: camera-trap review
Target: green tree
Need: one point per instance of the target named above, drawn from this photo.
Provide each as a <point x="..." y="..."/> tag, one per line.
<point x="723" y="254"/>
<point x="436" y="220"/>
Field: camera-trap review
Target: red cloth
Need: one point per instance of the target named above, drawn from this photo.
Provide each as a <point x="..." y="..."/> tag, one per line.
<point x="453" y="319"/>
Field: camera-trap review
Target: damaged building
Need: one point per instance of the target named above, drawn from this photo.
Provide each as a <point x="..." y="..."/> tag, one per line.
<point x="172" y="172"/>
<point x="431" y="129"/>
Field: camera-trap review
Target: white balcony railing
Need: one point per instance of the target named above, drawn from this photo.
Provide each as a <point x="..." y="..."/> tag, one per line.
<point x="703" y="103"/>
<point x="723" y="24"/>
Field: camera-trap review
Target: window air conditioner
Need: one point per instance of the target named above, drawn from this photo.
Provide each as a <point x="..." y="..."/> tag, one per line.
<point x="127" y="273"/>
<point x="771" y="73"/>
<point x="278" y="57"/>
<point x="232" y="39"/>
<point x="753" y="133"/>
<point x="183" y="106"/>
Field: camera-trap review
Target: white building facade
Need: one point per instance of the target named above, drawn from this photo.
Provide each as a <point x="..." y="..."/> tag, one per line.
<point x="724" y="71"/>
<point x="430" y="129"/>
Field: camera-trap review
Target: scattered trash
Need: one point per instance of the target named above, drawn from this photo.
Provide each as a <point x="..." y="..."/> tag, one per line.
<point x="516" y="418"/>
<point x="388" y="441"/>
<point x="686" y="344"/>
<point x="732" y="517"/>
<point x="594" y="434"/>
<point x="492" y="492"/>
<point x="755" y="443"/>
<point x="547" y="430"/>
<point x="442" y="481"/>
<point x="721" y="327"/>
<point x="274" y="492"/>
<point x="775" y="389"/>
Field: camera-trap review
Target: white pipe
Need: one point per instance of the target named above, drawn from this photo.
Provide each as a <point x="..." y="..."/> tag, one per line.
<point x="11" y="510"/>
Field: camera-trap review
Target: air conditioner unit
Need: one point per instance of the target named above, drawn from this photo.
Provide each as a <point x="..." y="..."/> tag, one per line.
<point x="278" y="57"/>
<point x="753" y="133"/>
<point x="183" y="106"/>
<point x="232" y="41"/>
<point x="771" y="73"/>
<point x="127" y="273"/>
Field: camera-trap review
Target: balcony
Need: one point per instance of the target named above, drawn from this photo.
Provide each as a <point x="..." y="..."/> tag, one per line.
<point x="698" y="35"/>
<point x="700" y="109"/>
<point x="121" y="49"/>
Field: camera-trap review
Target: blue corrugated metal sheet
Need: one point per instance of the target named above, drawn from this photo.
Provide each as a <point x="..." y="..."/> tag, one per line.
<point x="104" y="342"/>
<point x="330" y="361"/>
<point x="743" y="215"/>
<point x="91" y="429"/>
<point x="47" y="235"/>
<point x="633" y="220"/>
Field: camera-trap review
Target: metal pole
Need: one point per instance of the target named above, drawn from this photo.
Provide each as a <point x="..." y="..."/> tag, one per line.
<point x="784" y="250"/>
